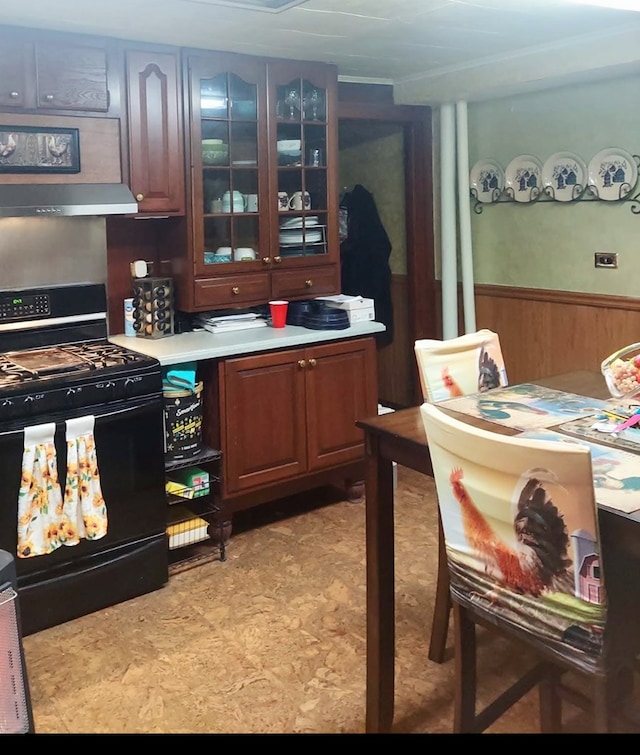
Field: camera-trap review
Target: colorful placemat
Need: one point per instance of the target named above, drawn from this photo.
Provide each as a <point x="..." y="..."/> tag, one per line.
<point x="616" y="473"/>
<point x="525" y="406"/>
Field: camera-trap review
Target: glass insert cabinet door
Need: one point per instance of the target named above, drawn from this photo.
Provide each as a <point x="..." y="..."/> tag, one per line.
<point x="300" y="104"/>
<point x="230" y="224"/>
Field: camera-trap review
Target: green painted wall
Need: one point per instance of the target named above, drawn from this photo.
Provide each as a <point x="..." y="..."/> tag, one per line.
<point x="551" y="245"/>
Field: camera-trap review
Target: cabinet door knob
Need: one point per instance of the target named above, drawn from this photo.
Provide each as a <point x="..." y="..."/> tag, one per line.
<point x="312" y="362"/>
<point x="266" y="260"/>
<point x="235" y="290"/>
<point x="139" y="197"/>
<point x="277" y="260"/>
<point x="48" y="97"/>
<point x="308" y="283"/>
<point x="14" y="95"/>
<point x="302" y="363"/>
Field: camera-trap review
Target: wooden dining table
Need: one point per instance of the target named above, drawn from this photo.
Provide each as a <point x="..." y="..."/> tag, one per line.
<point x="400" y="437"/>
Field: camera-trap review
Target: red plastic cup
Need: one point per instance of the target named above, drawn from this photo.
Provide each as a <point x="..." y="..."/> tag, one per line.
<point x="278" y="313"/>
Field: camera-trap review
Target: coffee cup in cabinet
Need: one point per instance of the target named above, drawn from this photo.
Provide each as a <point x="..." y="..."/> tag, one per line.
<point x="300" y="200"/>
<point x="244" y="254"/>
<point x="233" y="201"/>
<point x="283" y="201"/>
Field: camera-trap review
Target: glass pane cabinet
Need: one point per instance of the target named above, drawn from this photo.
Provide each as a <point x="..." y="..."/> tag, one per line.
<point x="228" y="142"/>
<point x="263" y="196"/>
<point x="301" y="98"/>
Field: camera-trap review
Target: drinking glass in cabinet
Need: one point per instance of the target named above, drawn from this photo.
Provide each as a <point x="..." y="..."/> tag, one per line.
<point x="292" y="102"/>
<point x="314" y="105"/>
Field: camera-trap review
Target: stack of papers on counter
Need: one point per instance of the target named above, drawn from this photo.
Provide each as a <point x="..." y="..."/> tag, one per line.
<point x="227" y="323"/>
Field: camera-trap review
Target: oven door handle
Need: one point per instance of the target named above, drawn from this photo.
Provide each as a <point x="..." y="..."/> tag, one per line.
<point x="113" y="412"/>
<point x="104" y="413"/>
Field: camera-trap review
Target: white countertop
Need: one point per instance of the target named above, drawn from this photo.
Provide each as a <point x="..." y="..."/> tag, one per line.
<point x="197" y="345"/>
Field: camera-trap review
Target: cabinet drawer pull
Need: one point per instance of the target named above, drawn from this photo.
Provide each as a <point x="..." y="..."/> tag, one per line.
<point x="277" y="260"/>
<point x="139" y="197"/>
<point x="235" y="290"/>
<point x="312" y="362"/>
<point x="308" y="283"/>
<point x="48" y="97"/>
<point x="266" y="260"/>
<point x="301" y="363"/>
<point x="14" y="95"/>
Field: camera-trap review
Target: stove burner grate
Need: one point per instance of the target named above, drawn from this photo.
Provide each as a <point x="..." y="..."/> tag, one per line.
<point x="58" y="361"/>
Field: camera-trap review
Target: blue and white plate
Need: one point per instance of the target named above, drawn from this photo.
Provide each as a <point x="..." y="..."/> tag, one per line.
<point x="523" y="177"/>
<point x="612" y="174"/>
<point x="486" y="181"/>
<point x="564" y="176"/>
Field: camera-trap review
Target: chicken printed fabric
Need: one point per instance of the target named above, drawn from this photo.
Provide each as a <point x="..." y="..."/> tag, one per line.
<point x="40" y="497"/>
<point x="469" y="364"/>
<point x="521" y="533"/>
<point x="84" y="513"/>
<point x="46" y="518"/>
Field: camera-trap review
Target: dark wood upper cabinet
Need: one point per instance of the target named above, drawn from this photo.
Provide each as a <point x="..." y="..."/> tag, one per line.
<point x="52" y="72"/>
<point x="156" y="143"/>
<point x="260" y="133"/>
<point x="71" y="77"/>
<point x="16" y="83"/>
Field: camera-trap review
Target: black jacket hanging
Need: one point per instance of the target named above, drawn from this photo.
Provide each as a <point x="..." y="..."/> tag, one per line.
<point x="364" y="257"/>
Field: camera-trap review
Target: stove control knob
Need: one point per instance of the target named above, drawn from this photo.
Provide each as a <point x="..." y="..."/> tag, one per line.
<point x="71" y="396"/>
<point x="6" y="408"/>
<point x="106" y="390"/>
<point x="134" y="386"/>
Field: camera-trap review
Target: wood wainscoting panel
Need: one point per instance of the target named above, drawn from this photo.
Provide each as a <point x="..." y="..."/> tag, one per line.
<point x="396" y="362"/>
<point x="544" y="332"/>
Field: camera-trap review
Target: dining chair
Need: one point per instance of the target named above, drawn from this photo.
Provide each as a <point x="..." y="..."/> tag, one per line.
<point x="449" y="368"/>
<point x="521" y="533"/>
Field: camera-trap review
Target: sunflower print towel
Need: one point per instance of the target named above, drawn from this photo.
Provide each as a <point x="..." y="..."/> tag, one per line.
<point x="46" y="519"/>
<point x="84" y="512"/>
<point x="40" y="498"/>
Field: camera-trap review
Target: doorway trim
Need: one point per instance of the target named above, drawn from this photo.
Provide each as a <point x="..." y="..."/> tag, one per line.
<point x="373" y="102"/>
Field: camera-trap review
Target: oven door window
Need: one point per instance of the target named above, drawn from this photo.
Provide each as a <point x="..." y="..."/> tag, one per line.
<point x="129" y="440"/>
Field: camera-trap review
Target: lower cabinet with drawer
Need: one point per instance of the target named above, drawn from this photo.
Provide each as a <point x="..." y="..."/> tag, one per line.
<point x="287" y="419"/>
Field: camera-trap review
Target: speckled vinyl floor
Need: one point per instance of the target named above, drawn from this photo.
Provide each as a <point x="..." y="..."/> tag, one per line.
<point x="270" y="641"/>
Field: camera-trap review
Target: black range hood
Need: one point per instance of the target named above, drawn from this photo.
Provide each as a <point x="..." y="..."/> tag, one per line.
<point x="57" y="200"/>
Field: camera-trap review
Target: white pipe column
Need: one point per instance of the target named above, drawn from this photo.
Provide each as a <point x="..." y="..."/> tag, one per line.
<point x="448" y="223"/>
<point x="464" y="218"/>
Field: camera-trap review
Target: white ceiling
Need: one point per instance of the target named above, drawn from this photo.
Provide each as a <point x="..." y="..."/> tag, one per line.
<point x="432" y="50"/>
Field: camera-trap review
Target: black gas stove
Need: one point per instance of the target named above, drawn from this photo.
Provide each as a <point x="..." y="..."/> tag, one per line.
<point x="54" y="353"/>
<point x="57" y="366"/>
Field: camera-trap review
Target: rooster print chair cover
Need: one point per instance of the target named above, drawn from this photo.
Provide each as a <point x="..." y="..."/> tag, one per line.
<point x="460" y="366"/>
<point x="521" y="531"/>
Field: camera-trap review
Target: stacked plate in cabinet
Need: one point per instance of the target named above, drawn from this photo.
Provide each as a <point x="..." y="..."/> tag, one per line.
<point x="298" y="233"/>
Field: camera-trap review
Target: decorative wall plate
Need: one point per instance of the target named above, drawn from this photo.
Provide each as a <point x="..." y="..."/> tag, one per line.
<point x="523" y="177"/>
<point x="612" y="173"/>
<point x="564" y="176"/>
<point x="486" y="181"/>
